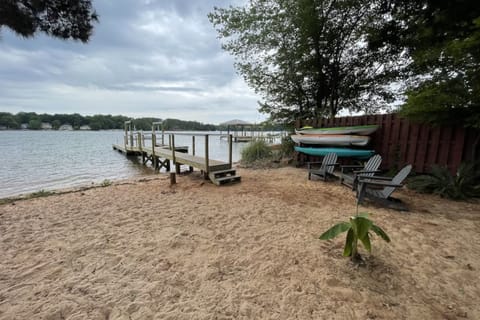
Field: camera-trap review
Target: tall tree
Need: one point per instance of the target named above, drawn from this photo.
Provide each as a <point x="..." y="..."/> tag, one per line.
<point x="307" y="58"/>
<point x="442" y="40"/>
<point x="65" y="19"/>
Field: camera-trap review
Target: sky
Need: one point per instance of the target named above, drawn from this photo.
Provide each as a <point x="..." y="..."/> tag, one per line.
<point x="146" y="58"/>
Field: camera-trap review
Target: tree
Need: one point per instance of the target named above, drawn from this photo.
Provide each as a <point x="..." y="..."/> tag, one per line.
<point x="442" y="40"/>
<point x="56" y="124"/>
<point x="35" y="124"/>
<point x="8" y="120"/>
<point x="307" y="58"/>
<point x="65" y="19"/>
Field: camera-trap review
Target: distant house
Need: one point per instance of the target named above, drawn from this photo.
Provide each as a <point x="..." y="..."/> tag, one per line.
<point x="46" y="126"/>
<point x="85" y="127"/>
<point x="66" y="127"/>
<point x="24" y="126"/>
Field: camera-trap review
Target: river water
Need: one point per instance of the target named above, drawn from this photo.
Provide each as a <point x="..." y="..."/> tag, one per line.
<point x="31" y="161"/>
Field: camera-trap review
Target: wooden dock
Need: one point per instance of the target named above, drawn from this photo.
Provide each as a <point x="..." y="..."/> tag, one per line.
<point x="164" y="156"/>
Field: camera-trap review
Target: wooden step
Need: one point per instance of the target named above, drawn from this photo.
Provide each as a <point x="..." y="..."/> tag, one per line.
<point x="227" y="179"/>
<point x="222" y="173"/>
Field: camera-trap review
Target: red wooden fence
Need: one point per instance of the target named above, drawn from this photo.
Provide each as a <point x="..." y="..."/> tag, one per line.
<point x="402" y="142"/>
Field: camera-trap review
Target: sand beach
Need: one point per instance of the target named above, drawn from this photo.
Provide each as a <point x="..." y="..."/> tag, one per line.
<point x="142" y="249"/>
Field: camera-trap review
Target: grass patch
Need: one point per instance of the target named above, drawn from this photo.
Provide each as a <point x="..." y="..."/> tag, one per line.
<point x="256" y="151"/>
<point x="40" y="194"/>
<point x="106" y="183"/>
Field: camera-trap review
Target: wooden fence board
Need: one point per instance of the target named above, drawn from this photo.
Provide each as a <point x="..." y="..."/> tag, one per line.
<point x="445" y="143"/>
<point x="422" y="145"/>
<point x="401" y="142"/>
<point x="457" y="149"/>
<point x="434" y="144"/>
<point x="404" y="141"/>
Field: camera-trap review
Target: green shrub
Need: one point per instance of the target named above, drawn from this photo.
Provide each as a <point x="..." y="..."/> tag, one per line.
<point x="106" y="183"/>
<point x="464" y="184"/>
<point x="41" y="193"/>
<point x="287" y="147"/>
<point x="256" y="150"/>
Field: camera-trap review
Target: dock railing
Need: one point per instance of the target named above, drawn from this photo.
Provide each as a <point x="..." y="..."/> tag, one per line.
<point x="136" y="140"/>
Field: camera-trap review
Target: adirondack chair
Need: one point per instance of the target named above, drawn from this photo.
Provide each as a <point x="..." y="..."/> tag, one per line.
<point x="380" y="189"/>
<point x="351" y="173"/>
<point x="324" y="168"/>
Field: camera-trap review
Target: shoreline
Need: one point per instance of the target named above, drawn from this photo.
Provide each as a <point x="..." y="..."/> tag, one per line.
<point x="145" y="249"/>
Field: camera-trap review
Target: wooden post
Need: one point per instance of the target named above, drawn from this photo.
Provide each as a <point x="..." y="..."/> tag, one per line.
<point x="125" y="137"/>
<point x="173" y="178"/>
<point x="139" y="140"/>
<point x="172" y="145"/>
<point x="193" y="145"/>
<point x="230" y="150"/>
<point x="154" y="158"/>
<point x="206" y="153"/>
<point x="163" y="136"/>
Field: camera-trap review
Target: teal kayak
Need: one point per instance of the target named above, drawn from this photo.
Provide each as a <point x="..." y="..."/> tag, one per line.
<point x="341" y="152"/>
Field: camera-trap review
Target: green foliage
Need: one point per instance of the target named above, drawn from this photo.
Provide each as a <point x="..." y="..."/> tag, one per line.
<point x="41" y="193"/>
<point x="175" y="124"/>
<point x="464" y="184"/>
<point x="287" y="147"/>
<point x="96" y="122"/>
<point x="442" y="40"/>
<point x="34" y="124"/>
<point x="307" y="58"/>
<point x="358" y="229"/>
<point x="71" y="19"/>
<point x="8" y="120"/>
<point x="106" y="183"/>
<point x="256" y="150"/>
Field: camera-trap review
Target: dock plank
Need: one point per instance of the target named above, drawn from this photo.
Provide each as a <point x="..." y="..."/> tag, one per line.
<point x="180" y="157"/>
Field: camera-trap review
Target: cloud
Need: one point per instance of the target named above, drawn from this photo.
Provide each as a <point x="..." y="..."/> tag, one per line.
<point x="146" y="58"/>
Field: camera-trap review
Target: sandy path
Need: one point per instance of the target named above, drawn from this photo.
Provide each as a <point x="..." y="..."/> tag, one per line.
<point x="145" y="250"/>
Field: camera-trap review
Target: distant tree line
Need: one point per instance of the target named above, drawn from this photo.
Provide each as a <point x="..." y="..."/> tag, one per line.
<point x="96" y="122"/>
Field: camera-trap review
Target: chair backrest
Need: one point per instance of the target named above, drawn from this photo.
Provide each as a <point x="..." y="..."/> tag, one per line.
<point x="398" y="179"/>
<point x="330" y="158"/>
<point x="372" y="165"/>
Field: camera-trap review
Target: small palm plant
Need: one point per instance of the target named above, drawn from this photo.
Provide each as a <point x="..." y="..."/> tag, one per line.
<point x="464" y="184"/>
<point x="358" y="228"/>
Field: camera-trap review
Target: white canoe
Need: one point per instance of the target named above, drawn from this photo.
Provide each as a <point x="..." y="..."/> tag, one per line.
<point x="331" y="139"/>
<point x="360" y="130"/>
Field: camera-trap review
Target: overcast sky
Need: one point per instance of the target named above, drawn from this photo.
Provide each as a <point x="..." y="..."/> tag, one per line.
<point x="147" y="58"/>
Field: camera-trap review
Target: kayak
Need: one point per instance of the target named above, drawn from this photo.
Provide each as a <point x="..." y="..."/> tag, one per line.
<point x="331" y="139"/>
<point x="359" y="130"/>
<point x="341" y="152"/>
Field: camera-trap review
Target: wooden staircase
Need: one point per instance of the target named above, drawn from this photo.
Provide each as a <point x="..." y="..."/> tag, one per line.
<point x="224" y="176"/>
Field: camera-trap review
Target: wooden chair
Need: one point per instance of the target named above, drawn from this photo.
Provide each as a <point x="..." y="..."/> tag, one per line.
<point x="324" y="168"/>
<point x="380" y="189"/>
<point x="350" y="173"/>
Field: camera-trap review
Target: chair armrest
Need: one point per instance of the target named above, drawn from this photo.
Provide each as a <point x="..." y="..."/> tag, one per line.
<point x="350" y="168"/>
<point x="380" y="183"/>
<point x="376" y="178"/>
<point x="364" y="171"/>
<point x="310" y="164"/>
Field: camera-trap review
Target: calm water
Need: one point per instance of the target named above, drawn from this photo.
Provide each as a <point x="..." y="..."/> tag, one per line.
<point x="35" y="160"/>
